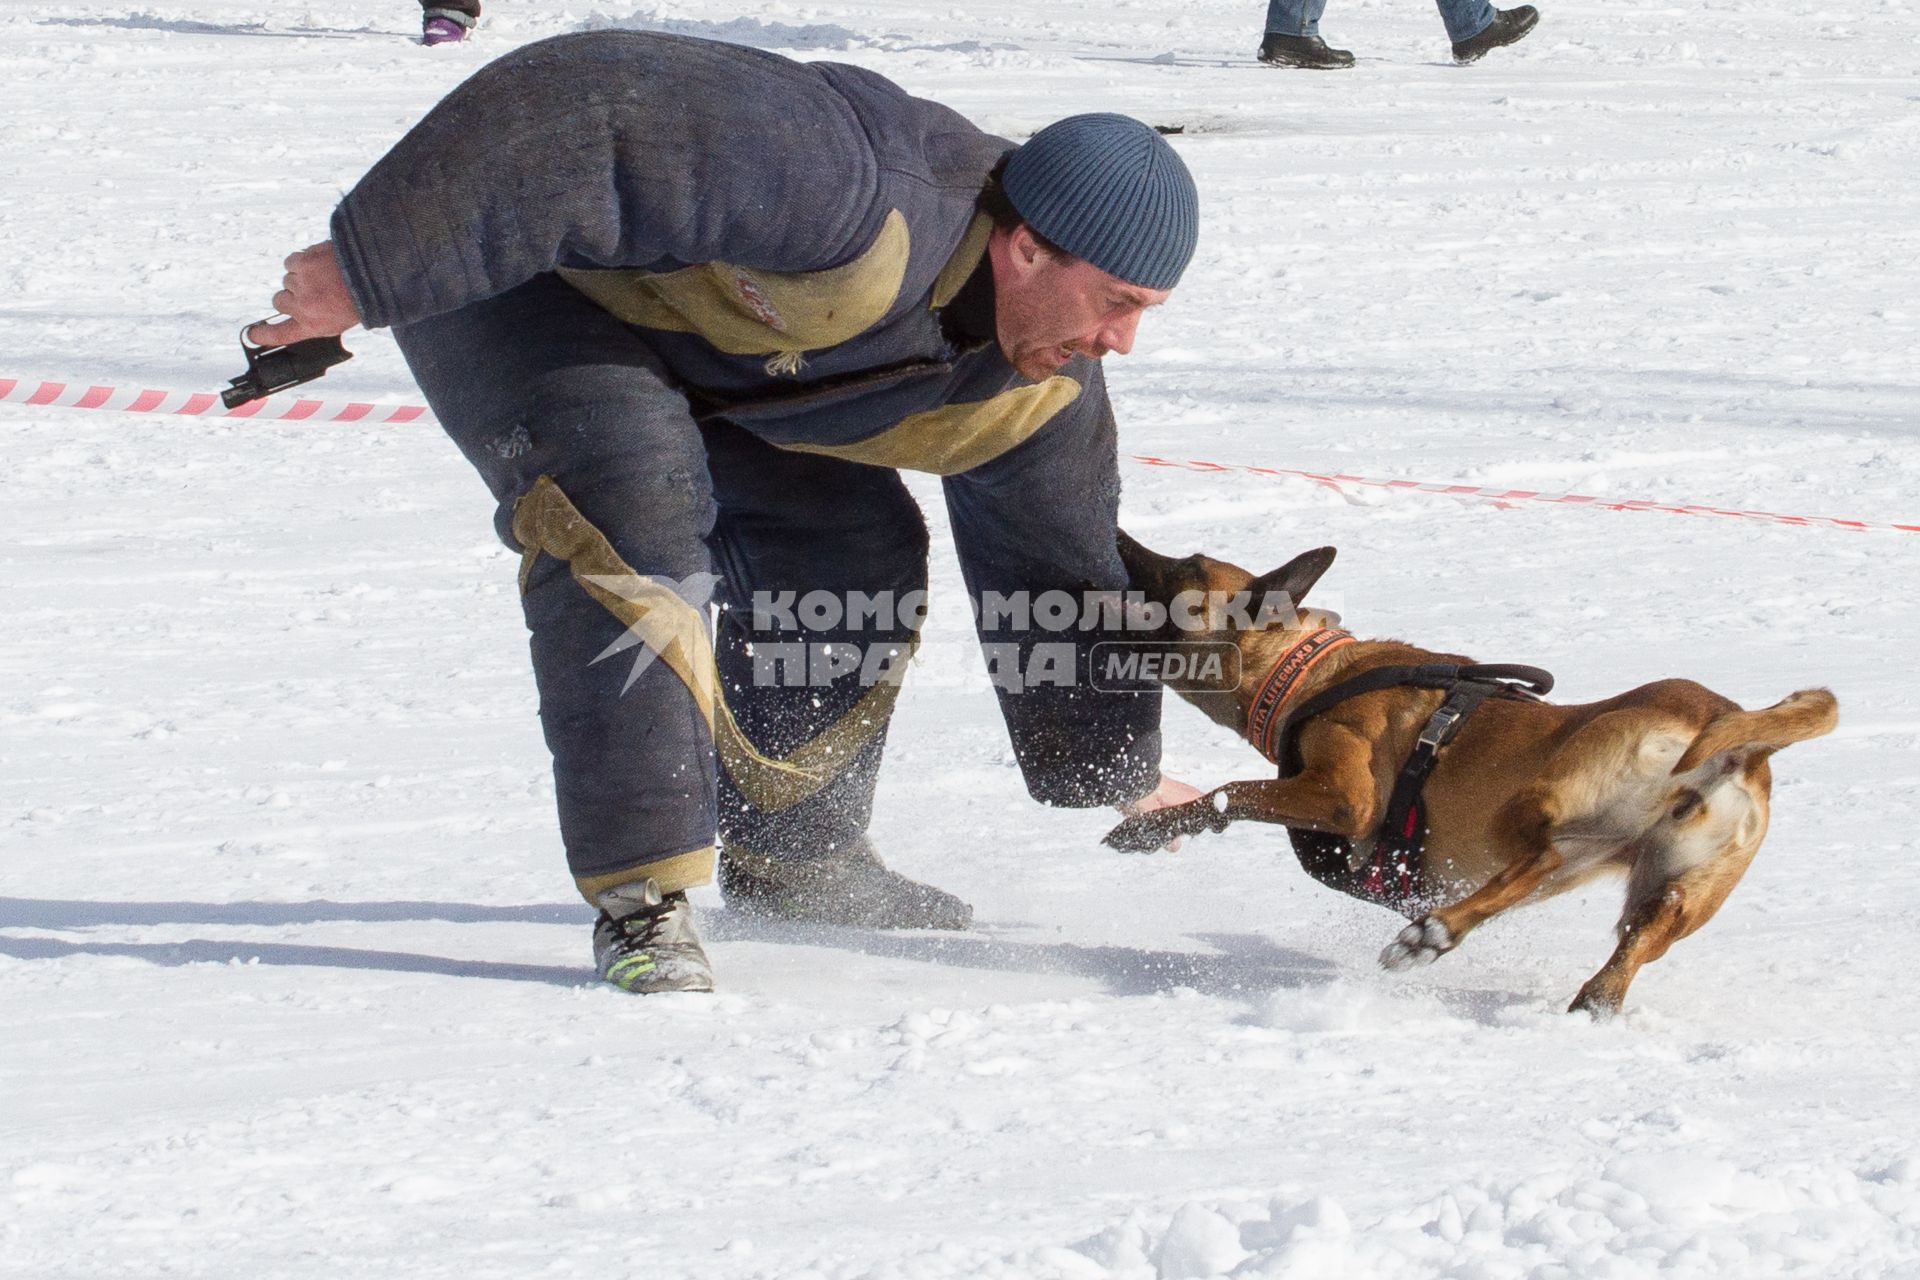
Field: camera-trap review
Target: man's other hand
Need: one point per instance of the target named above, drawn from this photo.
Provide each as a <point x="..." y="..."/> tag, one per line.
<point x="313" y="298"/>
<point x="1167" y="793"/>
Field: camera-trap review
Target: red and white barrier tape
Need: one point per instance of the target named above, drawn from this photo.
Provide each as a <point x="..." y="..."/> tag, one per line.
<point x="1341" y="483"/>
<point x="204" y="404"/>
<point x="291" y="409"/>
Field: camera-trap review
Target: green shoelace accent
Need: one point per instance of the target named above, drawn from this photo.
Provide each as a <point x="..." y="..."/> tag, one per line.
<point x="623" y="971"/>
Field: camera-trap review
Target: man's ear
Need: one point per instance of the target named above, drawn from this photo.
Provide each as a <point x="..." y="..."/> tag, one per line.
<point x="1026" y="249"/>
<point x="1010" y="250"/>
<point x="1296" y="577"/>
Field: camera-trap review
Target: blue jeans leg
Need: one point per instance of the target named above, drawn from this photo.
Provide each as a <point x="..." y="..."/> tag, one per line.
<point x="1296" y="17"/>
<point x="1465" y="19"/>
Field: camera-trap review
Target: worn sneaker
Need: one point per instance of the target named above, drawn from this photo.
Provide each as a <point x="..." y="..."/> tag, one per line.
<point x="849" y="886"/>
<point x="441" y="28"/>
<point x="1507" y="26"/>
<point x="1278" y="50"/>
<point x="644" y="941"/>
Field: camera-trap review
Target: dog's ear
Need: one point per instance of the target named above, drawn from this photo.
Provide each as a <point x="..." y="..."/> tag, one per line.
<point x="1296" y="577"/>
<point x="1153" y="575"/>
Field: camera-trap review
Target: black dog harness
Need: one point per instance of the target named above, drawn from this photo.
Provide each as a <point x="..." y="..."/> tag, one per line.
<point x="1390" y="873"/>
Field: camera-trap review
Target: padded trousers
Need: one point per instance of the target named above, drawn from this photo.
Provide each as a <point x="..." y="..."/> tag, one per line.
<point x="540" y="382"/>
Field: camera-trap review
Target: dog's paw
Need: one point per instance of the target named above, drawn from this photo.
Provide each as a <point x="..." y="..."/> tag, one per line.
<point x="1421" y="942"/>
<point x="1145" y="832"/>
<point x="1596" y="1002"/>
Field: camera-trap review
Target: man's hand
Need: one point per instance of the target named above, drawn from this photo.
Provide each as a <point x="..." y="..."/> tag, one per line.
<point x="314" y="299"/>
<point x="1164" y="831"/>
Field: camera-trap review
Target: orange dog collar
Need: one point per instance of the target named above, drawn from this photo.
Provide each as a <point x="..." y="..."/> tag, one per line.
<point x="1263" y="717"/>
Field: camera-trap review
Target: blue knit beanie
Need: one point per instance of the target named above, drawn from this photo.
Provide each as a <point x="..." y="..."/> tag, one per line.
<point x="1109" y="190"/>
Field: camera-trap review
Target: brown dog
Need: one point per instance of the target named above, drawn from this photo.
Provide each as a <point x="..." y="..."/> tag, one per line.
<point x="1668" y="783"/>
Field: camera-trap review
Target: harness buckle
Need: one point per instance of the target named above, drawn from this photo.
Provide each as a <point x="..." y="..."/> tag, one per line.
<point x="1440" y="727"/>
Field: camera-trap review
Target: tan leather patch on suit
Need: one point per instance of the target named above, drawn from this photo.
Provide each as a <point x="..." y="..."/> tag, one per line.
<point x="747" y="312"/>
<point x="973" y="247"/>
<point x="674" y="874"/>
<point x="545" y="520"/>
<point x="958" y="437"/>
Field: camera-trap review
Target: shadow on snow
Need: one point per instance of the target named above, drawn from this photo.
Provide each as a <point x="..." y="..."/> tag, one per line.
<point x="1238" y="965"/>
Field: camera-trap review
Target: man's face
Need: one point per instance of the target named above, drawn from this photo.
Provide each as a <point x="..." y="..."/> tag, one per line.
<point x="1049" y="307"/>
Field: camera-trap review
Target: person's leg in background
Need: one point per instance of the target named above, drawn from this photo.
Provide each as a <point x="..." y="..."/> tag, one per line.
<point x="1477" y="28"/>
<point x="1293" y="37"/>
<point x="447" y="21"/>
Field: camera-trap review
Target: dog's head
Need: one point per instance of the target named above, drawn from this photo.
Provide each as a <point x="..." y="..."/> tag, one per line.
<point x="1208" y="599"/>
<point x="1204" y="601"/>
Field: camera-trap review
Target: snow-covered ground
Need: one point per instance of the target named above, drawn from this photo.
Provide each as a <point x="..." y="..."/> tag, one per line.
<point x="293" y="983"/>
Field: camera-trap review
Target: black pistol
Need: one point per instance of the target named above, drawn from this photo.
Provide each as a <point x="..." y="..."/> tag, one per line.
<point x="271" y="369"/>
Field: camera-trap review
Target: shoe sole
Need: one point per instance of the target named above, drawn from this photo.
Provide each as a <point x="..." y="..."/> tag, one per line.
<point x="651" y="989"/>
<point x="700" y="988"/>
<point x="1285" y="65"/>
<point x="1515" y="38"/>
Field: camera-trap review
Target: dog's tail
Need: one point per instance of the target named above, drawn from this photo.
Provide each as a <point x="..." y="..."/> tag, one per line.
<point x="1795" y="718"/>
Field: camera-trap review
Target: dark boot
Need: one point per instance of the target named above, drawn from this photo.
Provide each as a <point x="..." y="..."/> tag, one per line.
<point x="848" y="886"/>
<point x="644" y="941"/>
<point x="1508" y="25"/>
<point x="1278" y="50"/>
